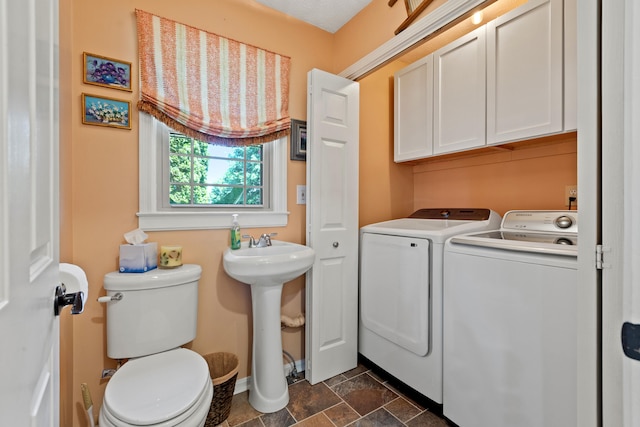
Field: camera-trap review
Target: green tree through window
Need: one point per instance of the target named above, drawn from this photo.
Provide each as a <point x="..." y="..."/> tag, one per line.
<point x="203" y="174"/>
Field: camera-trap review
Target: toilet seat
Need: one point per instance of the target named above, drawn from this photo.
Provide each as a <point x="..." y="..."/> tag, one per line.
<point x="166" y="388"/>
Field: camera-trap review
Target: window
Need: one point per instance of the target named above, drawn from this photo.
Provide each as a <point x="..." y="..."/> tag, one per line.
<point x="187" y="184"/>
<point x="202" y="174"/>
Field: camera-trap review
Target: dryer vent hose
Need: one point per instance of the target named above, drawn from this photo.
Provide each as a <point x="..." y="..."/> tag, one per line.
<point x="290" y="322"/>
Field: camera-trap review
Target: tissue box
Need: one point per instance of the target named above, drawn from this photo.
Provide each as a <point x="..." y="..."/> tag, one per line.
<point x="138" y="258"/>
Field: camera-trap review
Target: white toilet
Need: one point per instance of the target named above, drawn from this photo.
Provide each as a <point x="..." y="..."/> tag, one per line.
<point x="161" y="384"/>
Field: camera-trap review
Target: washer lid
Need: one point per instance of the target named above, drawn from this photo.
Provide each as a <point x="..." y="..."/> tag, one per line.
<point x="157" y="388"/>
<point x="543" y="243"/>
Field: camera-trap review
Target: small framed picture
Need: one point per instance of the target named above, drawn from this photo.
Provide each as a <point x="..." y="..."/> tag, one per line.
<point x="106" y="72"/>
<point x="102" y="111"/>
<point x="298" y="140"/>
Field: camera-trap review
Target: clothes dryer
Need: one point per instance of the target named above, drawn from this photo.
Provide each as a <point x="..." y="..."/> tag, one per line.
<point x="401" y="262"/>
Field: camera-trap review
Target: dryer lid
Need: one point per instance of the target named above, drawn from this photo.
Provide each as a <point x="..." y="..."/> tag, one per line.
<point x="153" y="389"/>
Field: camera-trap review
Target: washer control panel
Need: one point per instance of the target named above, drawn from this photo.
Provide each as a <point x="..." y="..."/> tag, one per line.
<point x="542" y="221"/>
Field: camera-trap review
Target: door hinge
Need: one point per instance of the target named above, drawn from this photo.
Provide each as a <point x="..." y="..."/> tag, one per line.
<point x="600" y="264"/>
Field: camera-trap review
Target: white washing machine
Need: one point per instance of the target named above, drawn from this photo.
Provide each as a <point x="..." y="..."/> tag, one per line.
<point x="510" y="323"/>
<point x="400" y="327"/>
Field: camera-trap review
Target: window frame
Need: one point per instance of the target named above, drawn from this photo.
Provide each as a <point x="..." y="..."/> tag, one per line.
<point x="152" y="216"/>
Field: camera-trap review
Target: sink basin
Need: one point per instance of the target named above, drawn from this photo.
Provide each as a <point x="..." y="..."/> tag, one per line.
<point x="279" y="263"/>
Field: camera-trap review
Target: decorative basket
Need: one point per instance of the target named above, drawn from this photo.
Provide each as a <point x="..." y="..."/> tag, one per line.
<point x="223" y="368"/>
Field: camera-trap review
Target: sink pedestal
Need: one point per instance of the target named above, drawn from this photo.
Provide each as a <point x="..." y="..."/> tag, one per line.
<point x="266" y="269"/>
<point x="268" y="391"/>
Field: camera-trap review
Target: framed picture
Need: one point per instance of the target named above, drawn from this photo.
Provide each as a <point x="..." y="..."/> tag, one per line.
<point x="107" y="72"/>
<point x="298" y="140"/>
<point x="102" y="111"/>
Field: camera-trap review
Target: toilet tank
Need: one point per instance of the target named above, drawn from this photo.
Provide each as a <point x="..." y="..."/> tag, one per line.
<point x="158" y="310"/>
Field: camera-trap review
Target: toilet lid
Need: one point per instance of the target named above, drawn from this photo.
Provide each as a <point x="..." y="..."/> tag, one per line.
<point x="152" y="389"/>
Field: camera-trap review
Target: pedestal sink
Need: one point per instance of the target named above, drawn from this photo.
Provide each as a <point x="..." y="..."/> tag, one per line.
<point x="266" y="270"/>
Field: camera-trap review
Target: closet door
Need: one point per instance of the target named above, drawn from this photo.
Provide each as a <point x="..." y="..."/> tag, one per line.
<point x="331" y="346"/>
<point x="459" y="94"/>
<point x="524" y="72"/>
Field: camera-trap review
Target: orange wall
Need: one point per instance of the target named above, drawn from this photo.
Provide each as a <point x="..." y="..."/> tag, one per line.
<point x="369" y="29"/>
<point x="526" y="177"/>
<point x="386" y="188"/>
<point x="99" y="182"/>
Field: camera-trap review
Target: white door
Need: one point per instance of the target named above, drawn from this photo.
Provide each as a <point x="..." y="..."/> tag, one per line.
<point x="332" y="225"/>
<point x="29" y="374"/>
<point x="620" y="209"/>
<point x="631" y="233"/>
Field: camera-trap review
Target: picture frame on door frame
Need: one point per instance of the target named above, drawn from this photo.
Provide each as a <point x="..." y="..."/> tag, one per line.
<point x="298" y="140"/>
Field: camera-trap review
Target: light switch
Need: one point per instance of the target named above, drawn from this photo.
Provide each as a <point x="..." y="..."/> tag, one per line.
<point x="302" y="194"/>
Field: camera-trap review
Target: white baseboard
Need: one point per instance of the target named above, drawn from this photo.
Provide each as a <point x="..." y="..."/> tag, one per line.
<point x="242" y="384"/>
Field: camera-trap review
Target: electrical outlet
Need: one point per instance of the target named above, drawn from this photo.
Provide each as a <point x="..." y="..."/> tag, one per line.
<point x="302" y="194"/>
<point x="571" y="191"/>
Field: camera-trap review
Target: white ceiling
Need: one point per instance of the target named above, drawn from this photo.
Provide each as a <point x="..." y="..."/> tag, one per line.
<point x="328" y="15"/>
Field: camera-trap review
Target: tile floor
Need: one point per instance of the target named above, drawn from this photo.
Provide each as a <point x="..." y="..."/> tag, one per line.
<point x="358" y="398"/>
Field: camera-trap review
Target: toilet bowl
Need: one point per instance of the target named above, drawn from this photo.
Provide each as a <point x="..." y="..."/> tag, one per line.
<point x="172" y="388"/>
<point x="149" y="316"/>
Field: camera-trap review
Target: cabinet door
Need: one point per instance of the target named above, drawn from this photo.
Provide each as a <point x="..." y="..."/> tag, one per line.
<point x="459" y="94"/>
<point x="413" y="112"/>
<point x="524" y="72"/>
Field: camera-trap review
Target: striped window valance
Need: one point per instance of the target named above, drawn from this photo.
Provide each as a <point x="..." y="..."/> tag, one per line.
<point x="210" y="87"/>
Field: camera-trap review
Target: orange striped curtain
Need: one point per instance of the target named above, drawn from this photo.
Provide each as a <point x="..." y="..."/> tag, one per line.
<point x="209" y="87"/>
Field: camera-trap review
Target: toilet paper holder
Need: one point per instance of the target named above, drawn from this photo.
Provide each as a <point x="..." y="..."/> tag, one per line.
<point x="62" y="299"/>
<point x="74" y="279"/>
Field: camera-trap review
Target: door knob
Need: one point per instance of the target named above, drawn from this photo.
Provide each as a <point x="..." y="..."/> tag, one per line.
<point x="336" y="244"/>
<point x="631" y="340"/>
<point x="62" y="298"/>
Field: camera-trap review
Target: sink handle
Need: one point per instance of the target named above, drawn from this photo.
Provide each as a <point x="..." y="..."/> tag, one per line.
<point x="265" y="239"/>
<point x="252" y="242"/>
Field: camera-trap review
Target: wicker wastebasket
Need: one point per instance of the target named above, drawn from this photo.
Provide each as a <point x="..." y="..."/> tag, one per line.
<point x="223" y="368"/>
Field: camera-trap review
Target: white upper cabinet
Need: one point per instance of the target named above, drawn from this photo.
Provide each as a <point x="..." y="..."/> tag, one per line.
<point x="511" y="79"/>
<point x="524" y="72"/>
<point x="413" y="112"/>
<point x="459" y="98"/>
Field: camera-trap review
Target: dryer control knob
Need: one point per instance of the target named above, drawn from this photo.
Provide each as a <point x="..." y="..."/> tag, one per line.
<point x="564" y="221"/>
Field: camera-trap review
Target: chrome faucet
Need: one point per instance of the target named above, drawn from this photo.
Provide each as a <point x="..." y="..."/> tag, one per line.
<point x="263" y="241"/>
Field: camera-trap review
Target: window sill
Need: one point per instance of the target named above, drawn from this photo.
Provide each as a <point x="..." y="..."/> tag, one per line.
<point x="165" y="221"/>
